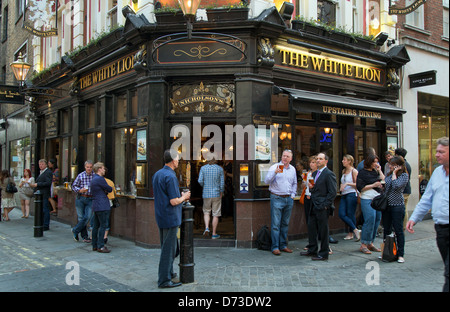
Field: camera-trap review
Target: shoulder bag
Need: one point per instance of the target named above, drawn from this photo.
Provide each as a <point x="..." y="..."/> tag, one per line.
<point x="11" y="187"/>
<point x="380" y="202"/>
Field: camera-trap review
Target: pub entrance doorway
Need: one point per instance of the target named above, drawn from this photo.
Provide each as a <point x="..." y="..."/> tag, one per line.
<point x="188" y="173"/>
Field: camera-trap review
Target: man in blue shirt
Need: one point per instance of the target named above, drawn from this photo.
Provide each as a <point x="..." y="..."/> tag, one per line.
<point x="168" y="215"/>
<point x="211" y="178"/>
<point x="282" y="180"/>
<point x="436" y="198"/>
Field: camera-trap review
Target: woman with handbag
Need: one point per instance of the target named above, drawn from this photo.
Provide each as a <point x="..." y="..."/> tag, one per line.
<point x="369" y="185"/>
<point x="8" y="202"/>
<point x="396" y="182"/>
<point x="349" y="197"/>
<point x="26" y="192"/>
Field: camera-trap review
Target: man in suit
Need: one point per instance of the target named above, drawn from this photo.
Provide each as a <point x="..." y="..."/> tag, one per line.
<point x="323" y="193"/>
<point x="43" y="183"/>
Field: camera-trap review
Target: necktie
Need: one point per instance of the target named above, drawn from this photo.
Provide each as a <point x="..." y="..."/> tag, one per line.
<point x="317" y="176"/>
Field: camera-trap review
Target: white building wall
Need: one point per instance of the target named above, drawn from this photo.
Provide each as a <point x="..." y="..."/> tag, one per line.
<point x="421" y="61"/>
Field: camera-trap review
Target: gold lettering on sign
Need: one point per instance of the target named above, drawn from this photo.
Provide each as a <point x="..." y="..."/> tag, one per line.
<point x="329" y="65"/>
<point x="118" y="67"/>
<point x="343" y="111"/>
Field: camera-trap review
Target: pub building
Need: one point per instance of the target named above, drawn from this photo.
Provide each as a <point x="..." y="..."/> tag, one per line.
<point x="139" y="90"/>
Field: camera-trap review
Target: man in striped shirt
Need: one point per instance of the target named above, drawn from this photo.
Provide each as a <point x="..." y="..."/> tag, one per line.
<point x="212" y="180"/>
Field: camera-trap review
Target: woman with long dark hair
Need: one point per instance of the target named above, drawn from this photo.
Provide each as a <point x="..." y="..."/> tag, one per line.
<point x="369" y="185"/>
<point x="393" y="216"/>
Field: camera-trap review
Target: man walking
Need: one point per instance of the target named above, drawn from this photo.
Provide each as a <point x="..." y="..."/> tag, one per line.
<point x="43" y="184"/>
<point x="211" y="178"/>
<point x="168" y="215"/>
<point x="83" y="202"/>
<point x="282" y="180"/>
<point x="323" y="192"/>
<point x="436" y="198"/>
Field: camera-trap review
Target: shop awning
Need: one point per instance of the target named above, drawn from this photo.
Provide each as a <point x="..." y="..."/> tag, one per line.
<point x="308" y="101"/>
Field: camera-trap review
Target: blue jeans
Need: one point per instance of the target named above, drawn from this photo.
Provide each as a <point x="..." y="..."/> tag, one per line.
<point x="372" y="220"/>
<point x="84" y="213"/>
<point x="168" y="239"/>
<point x="99" y="224"/>
<point x="393" y="219"/>
<point x="280" y="213"/>
<point x="347" y="209"/>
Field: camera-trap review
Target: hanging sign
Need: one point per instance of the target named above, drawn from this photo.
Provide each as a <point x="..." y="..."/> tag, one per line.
<point x="42" y="14"/>
<point x="394" y="10"/>
<point x="10" y="95"/>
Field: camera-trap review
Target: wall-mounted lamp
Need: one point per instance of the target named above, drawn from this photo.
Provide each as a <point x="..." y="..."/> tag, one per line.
<point x="20" y="69"/>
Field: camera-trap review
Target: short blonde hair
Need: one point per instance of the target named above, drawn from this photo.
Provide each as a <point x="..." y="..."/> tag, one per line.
<point x="98" y="165"/>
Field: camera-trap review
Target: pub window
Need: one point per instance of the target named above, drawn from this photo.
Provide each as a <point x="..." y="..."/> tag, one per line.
<point x="91" y="116"/>
<point x="121" y="108"/>
<point x="280" y="105"/>
<point x="66" y="121"/>
<point x="93" y="146"/>
<point x="125" y="159"/>
<point x="329" y="143"/>
<point x="66" y="174"/>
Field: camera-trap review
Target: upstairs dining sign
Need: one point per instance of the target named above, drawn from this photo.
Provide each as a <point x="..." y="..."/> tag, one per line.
<point x="394" y="10"/>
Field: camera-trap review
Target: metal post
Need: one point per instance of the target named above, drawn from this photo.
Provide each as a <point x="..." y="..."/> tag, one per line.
<point x="38" y="215"/>
<point x="187" y="244"/>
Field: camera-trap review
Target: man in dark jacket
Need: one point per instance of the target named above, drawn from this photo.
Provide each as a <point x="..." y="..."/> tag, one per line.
<point x="43" y="183"/>
<point x="323" y="193"/>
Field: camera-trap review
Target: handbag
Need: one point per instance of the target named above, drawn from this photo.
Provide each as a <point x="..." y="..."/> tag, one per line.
<point x="28" y="191"/>
<point x="11" y="188"/>
<point x="380" y="202"/>
<point x="389" y="249"/>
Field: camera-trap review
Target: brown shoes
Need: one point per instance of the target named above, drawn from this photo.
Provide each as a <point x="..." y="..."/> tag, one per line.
<point x="277" y="252"/>
<point x="104" y="250"/>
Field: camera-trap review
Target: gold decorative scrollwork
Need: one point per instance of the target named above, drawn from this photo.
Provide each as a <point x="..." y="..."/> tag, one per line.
<point x="200" y="52"/>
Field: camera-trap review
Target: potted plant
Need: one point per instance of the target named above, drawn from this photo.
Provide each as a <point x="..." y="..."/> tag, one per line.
<point x="169" y="15"/>
<point x="227" y="12"/>
<point x="310" y="26"/>
<point x="363" y="41"/>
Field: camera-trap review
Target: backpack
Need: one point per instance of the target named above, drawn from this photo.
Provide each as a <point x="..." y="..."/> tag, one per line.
<point x="389" y="252"/>
<point x="263" y="238"/>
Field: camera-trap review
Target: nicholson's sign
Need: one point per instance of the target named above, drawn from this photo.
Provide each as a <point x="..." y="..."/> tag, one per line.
<point x="327" y="64"/>
<point x="394" y="10"/>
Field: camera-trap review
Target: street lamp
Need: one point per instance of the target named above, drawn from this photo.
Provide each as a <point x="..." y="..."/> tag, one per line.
<point x="189" y="8"/>
<point x="20" y="69"/>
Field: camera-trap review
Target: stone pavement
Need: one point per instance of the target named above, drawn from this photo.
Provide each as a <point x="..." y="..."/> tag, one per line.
<point x="56" y="262"/>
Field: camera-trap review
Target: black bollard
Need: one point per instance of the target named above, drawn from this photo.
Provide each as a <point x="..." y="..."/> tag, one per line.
<point x="187" y="244"/>
<point x="38" y="215"/>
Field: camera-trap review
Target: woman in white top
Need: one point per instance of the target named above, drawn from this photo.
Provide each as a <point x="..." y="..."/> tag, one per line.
<point x="26" y="192"/>
<point x="349" y="197"/>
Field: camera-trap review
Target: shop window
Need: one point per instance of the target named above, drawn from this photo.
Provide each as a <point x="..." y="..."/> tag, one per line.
<point x="305" y="146"/>
<point x="433" y="124"/>
<point x="20" y="153"/>
<point x="125" y="159"/>
<point x="93" y="146"/>
<point x="329" y="144"/>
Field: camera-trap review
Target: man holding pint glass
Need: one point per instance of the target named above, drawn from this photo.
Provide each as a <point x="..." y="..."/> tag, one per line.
<point x="282" y="180"/>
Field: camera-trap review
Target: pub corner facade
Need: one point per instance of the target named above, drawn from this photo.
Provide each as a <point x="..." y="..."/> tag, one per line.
<point x="119" y="101"/>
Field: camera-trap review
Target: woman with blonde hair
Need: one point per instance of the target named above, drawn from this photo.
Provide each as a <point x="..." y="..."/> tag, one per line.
<point x="349" y="197"/>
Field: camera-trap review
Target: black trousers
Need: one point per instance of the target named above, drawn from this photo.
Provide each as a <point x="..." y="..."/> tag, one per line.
<point x="318" y="227"/>
<point x="442" y="236"/>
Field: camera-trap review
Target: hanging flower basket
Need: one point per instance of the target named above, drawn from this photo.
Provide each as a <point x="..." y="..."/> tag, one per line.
<point x="226" y="14"/>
